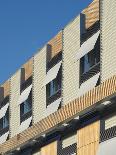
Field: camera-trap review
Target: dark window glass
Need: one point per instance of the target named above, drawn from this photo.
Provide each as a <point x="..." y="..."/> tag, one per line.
<point x="55" y="85"/>
<point x="26" y="106"/>
<point x="91" y="59"/>
<point x="4" y="122"/>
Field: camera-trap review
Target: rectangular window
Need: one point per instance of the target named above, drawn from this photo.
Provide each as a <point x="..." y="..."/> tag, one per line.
<point x="90" y="63"/>
<point x="26" y="106"/>
<point x="54" y="86"/>
<point x="4" y="122"/>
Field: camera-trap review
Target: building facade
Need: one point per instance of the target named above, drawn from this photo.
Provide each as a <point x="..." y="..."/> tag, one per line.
<point x="63" y="100"/>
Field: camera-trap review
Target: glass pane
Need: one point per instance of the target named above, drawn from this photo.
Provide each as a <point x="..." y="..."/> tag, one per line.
<point x="59" y="78"/>
<point x="51" y="88"/>
<point x="86" y="63"/>
<point x="27" y="107"/>
<point x="48" y="90"/>
<point x="5" y="121"/>
<point x="21" y="109"/>
<point x="54" y="85"/>
<point x="1" y="123"/>
<point x="92" y="58"/>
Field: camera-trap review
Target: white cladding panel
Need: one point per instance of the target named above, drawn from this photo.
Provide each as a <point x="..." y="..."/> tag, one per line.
<point x="110" y="122"/>
<point x="71" y="45"/>
<point x="53" y="107"/>
<point x="24" y="95"/>
<point x="25" y="124"/>
<point x="69" y="141"/>
<point x="88" y="85"/>
<point x="108" y="39"/>
<point x="39" y="92"/>
<point x="52" y="73"/>
<point x="88" y="45"/>
<point x="107" y="147"/>
<point x="14" y="107"/>
<point x="4" y="137"/>
<point x="3" y="110"/>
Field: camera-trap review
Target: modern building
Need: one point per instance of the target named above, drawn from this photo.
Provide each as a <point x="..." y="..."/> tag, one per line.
<point x="63" y="100"/>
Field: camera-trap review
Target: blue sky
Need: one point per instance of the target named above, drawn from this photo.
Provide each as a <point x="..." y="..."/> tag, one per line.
<point x="26" y="25"/>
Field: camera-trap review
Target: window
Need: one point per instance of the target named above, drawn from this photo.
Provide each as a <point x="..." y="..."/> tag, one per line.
<point x="26" y="106"/>
<point x="54" y="86"/>
<point x="4" y="122"/>
<point x="90" y="63"/>
<point x="91" y="59"/>
<point x="68" y="145"/>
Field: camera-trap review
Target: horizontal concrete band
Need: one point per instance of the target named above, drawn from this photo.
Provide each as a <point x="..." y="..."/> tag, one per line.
<point x="67" y="112"/>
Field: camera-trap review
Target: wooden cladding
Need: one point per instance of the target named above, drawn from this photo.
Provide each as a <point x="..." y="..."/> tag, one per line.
<point x="88" y="139"/>
<point x="28" y="69"/>
<point x="4" y="90"/>
<point x="67" y="112"/>
<point x="54" y="46"/>
<point x="91" y="14"/>
<point x="50" y="149"/>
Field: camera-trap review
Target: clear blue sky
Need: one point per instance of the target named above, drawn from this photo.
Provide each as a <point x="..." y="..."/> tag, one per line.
<point x="26" y="25"/>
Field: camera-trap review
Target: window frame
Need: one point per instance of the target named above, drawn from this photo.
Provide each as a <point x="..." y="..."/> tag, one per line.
<point x="25" y="115"/>
<point x="4" y="121"/>
<point x="55" y="85"/>
<point x="91" y="70"/>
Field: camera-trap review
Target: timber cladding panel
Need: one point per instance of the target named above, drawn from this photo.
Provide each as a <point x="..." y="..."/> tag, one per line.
<point x="71" y="45"/>
<point x="14" y="107"/>
<point x="39" y="91"/>
<point x="108" y="39"/>
<point x="4" y="90"/>
<point x="6" y="87"/>
<point x="50" y="149"/>
<point x="67" y="112"/>
<point x="55" y="45"/>
<point x="88" y="139"/>
<point x="91" y="14"/>
<point x="28" y="67"/>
